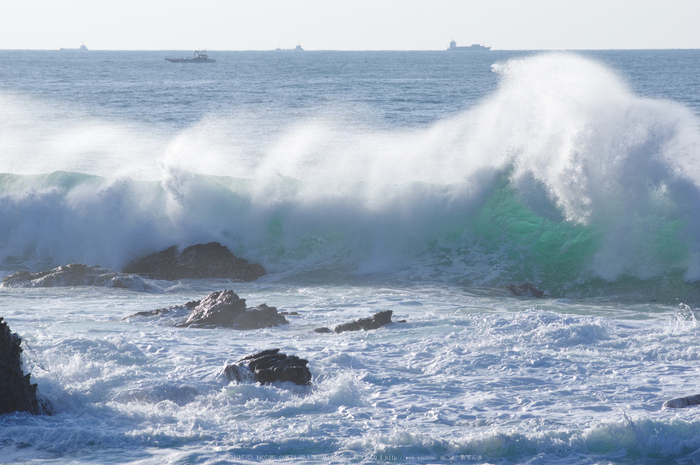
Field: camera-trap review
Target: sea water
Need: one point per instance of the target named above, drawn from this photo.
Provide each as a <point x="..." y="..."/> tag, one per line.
<point x="418" y="182"/>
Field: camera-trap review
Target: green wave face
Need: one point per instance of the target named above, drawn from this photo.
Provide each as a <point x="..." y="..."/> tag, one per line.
<point x="506" y="238"/>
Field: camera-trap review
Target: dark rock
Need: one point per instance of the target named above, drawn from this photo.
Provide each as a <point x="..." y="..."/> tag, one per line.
<point x="525" y="290"/>
<point x="173" y="309"/>
<point x="17" y="394"/>
<point x="76" y="274"/>
<point x="159" y="311"/>
<point x="376" y="321"/>
<point x="200" y="261"/>
<point x="261" y="316"/>
<point x="682" y="402"/>
<point x="226" y="309"/>
<point x="220" y="309"/>
<point x="217" y="309"/>
<point x="269" y="366"/>
<point x="289" y="313"/>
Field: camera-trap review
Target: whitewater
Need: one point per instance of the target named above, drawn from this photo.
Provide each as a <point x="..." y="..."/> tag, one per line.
<point x="418" y="182"/>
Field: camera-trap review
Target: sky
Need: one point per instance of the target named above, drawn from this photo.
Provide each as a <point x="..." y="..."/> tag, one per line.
<point x="349" y="24"/>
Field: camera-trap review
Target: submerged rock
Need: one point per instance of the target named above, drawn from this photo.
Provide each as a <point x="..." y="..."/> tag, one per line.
<point x="76" y="274"/>
<point x="222" y="309"/>
<point x="269" y="366"/>
<point x="525" y="290"/>
<point x="376" y="321"/>
<point x="200" y="261"/>
<point x="17" y="394"/>
<point x="683" y="402"/>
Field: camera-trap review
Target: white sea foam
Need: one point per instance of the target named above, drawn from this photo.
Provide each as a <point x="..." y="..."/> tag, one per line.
<point x="577" y="146"/>
<point x="468" y="375"/>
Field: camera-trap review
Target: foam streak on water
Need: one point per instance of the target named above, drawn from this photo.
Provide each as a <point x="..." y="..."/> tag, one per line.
<point x="415" y="182"/>
<point x="469" y="374"/>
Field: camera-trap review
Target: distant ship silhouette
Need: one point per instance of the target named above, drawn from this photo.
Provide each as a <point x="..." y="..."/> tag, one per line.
<point x="82" y="48"/>
<point x="199" y="57"/>
<point x="295" y="49"/>
<point x="472" y="47"/>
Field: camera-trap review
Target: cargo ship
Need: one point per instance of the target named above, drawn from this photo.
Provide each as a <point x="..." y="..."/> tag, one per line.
<point x="82" y="48"/>
<point x="472" y="47"/>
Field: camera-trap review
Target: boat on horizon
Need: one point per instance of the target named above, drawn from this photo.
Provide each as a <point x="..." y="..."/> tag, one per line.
<point x="295" y="49"/>
<point x="199" y="57"/>
<point x="472" y="47"/>
<point x="82" y="48"/>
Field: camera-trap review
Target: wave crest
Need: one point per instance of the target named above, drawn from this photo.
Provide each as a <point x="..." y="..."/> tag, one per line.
<point x="562" y="174"/>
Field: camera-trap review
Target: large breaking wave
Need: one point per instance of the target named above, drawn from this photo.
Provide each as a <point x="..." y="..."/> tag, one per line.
<point x="561" y="176"/>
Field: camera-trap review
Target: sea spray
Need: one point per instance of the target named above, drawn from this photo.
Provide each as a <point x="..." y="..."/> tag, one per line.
<point x="561" y="176"/>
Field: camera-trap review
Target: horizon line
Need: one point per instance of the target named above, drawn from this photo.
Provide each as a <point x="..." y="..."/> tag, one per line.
<point x="335" y="50"/>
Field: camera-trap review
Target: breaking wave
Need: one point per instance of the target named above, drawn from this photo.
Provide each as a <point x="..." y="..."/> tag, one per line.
<point x="561" y="176"/>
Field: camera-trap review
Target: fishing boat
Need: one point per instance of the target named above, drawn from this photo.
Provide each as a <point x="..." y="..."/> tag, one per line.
<point x="199" y="57"/>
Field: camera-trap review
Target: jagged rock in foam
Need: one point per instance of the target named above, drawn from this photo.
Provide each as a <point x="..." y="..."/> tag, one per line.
<point x="376" y="321"/>
<point x="76" y="274"/>
<point x="683" y="402"/>
<point x="269" y="366"/>
<point x="226" y="309"/>
<point x="223" y="309"/>
<point x="17" y="393"/>
<point x="200" y="261"/>
<point x="525" y="290"/>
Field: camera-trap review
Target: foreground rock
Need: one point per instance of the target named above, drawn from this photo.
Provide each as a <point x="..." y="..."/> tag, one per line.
<point x="269" y="366"/>
<point x="376" y="321"/>
<point x="200" y="261"/>
<point x="222" y="309"/>
<point x="76" y="274"/>
<point x="525" y="290"/>
<point x="17" y="394"/>
<point x="683" y="402"/>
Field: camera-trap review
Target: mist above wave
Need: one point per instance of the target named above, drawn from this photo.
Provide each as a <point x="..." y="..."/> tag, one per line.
<point x="561" y="174"/>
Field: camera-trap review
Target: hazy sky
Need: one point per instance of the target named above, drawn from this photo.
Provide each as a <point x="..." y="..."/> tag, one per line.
<point x="349" y="24"/>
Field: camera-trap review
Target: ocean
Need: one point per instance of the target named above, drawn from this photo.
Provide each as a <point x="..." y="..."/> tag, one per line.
<point x="419" y="182"/>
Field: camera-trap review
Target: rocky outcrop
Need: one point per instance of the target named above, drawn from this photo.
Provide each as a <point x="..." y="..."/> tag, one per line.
<point x="226" y="309"/>
<point x="683" y="402"/>
<point x="17" y="393"/>
<point x="376" y="321"/>
<point x="200" y="261"/>
<point x="526" y="290"/>
<point x="76" y="274"/>
<point x="269" y="366"/>
<point x="222" y="309"/>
